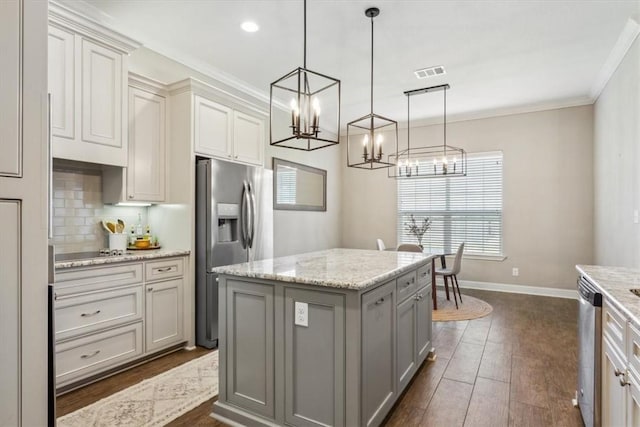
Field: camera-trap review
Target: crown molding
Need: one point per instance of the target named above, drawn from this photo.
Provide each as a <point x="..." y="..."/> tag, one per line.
<point x="147" y="84"/>
<point x="628" y="35"/>
<point x="65" y="17"/>
<point x="191" y="85"/>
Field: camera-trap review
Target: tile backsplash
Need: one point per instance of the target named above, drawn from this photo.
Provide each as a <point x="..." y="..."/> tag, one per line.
<point x="78" y="210"/>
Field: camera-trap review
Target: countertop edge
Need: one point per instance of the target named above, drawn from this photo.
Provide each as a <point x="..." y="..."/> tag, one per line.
<point x="355" y="286"/>
<point x="632" y="317"/>
<point x="130" y="257"/>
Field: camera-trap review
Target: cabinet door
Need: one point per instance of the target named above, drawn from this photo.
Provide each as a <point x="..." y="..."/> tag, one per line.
<point x="248" y="138"/>
<point x="10" y="311"/>
<point x="378" y="352"/>
<point x="633" y="402"/>
<point x="250" y="346"/>
<point x="213" y="131"/>
<point x="407" y="349"/>
<point x="101" y="95"/>
<point x="163" y="315"/>
<point x="613" y="395"/>
<point x="61" y="74"/>
<point x="10" y="89"/>
<point x="314" y="359"/>
<point x="146" y="165"/>
<point x="424" y="322"/>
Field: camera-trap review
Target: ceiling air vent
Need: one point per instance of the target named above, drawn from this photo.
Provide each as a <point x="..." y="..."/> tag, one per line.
<point x="423" y="73"/>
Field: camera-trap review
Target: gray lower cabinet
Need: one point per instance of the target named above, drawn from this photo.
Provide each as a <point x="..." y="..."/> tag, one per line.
<point x="378" y="352"/>
<point x="314" y="359"/>
<point x="250" y="346"/>
<point x="424" y="312"/>
<point x="407" y="335"/>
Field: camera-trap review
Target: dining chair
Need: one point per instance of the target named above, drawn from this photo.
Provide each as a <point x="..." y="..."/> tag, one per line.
<point x="452" y="274"/>
<point x="408" y="247"/>
<point x="380" y="245"/>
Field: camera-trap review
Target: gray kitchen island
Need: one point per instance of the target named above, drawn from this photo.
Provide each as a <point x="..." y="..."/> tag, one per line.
<point x="326" y="338"/>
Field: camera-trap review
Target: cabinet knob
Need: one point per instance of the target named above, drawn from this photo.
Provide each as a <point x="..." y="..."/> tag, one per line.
<point x="380" y="301"/>
<point x="149" y="289"/>
<point x="130" y="196"/>
<point x="236" y="156"/>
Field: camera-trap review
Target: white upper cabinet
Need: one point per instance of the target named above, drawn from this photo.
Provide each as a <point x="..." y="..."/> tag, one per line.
<point x="102" y="90"/>
<point x="220" y="124"/>
<point x="212" y="128"/>
<point x="61" y="82"/>
<point x="144" y="179"/>
<point x="147" y="122"/>
<point x="248" y="138"/>
<point x="88" y="86"/>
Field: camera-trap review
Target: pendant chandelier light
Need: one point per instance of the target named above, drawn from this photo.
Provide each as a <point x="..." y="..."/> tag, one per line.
<point x="368" y="135"/>
<point x="305" y="94"/>
<point x="436" y="161"/>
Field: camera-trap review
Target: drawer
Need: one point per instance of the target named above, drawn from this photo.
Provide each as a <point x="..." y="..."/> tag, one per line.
<point x="406" y="285"/>
<point x="424" y="275"/>
<point x="633" y="349"/>
<point x="74" y="281"/>
<point x="163" y="269"/>
<point x="82" y="314"/>
<point x="614" y="326"/>
<point x="86" y="356"/>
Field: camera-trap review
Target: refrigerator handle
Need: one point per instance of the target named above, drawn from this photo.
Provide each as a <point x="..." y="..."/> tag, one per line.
<point x="252" y="211"/>
<point x="243" y="215"/>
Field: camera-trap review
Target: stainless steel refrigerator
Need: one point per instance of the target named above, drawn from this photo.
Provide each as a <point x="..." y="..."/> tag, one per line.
<point x="234" y="224"/>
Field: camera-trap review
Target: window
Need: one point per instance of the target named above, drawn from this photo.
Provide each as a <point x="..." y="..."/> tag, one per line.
<point x="461" y="209"/>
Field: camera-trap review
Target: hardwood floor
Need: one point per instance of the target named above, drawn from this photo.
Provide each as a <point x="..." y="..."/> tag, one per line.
<point x="515" y="367"/>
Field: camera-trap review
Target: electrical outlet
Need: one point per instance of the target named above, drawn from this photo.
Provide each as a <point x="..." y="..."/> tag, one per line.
<point x="302" y="314"/>
<point x="515" y="271"/>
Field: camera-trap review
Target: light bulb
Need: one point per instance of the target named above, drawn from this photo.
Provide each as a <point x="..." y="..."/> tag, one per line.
<point x="316" y="106"/>
<point x="379" y="139"/>
<point x="365" y="140"/>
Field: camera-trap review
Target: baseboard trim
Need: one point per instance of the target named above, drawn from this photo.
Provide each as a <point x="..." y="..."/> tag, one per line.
<point x="520" y="289"/>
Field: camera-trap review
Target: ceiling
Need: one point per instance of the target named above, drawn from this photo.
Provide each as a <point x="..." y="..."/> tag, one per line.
<point x="500" y="56"/>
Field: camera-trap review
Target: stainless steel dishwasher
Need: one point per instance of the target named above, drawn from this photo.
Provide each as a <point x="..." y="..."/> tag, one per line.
<point x="589" y="346"/>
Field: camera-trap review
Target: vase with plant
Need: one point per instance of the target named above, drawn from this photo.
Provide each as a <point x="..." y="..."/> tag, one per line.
<point x="418" y="230"/>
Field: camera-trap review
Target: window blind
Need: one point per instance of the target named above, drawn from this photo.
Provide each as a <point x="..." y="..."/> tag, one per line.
<point x="461" y="209"/>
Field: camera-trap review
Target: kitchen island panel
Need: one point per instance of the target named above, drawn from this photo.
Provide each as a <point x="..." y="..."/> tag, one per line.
<point x="250" y="344"/>
<point x="315" y="359"/>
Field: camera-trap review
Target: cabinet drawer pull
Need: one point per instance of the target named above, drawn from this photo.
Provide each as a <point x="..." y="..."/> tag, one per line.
<point x="618" y="372"/>
<point x="425" y="274"/>
<point x="149" y="289"/>
<point x="380" y="301"/>
<point x="407" y="284"/>
<point x="87" y="356"/>
<point x="624" y="381"/>
<point x="90" y="314"/>
<point x="165" y="269"/>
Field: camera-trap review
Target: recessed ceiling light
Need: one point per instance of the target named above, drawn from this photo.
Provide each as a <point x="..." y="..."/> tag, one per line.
<point x="250" y="26"/>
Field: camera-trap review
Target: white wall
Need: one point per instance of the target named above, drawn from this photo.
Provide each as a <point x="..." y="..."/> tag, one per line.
<point x="294" y="231"/>
<point x="616" y="165"/>
<point x="548" y="195"/>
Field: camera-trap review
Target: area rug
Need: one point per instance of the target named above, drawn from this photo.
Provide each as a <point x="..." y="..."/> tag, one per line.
<point x="470" y="308"/>
<point x="155" y="401"/>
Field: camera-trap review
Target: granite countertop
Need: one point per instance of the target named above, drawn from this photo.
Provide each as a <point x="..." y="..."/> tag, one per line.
<point x="615" y="283"/>
<point x="81" y="260"/>
<point x="338" y="268"/>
